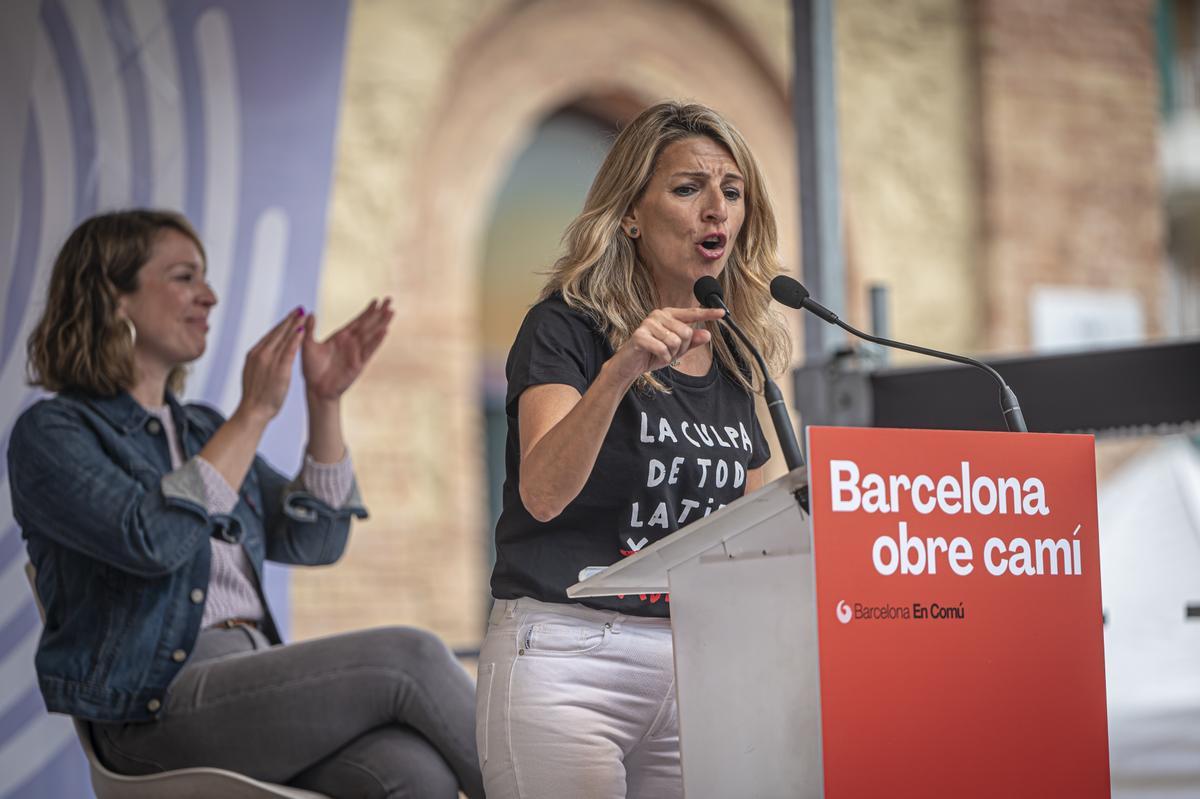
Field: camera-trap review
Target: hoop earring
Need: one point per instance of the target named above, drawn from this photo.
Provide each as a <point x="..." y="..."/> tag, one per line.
<point x="132" y="331"/>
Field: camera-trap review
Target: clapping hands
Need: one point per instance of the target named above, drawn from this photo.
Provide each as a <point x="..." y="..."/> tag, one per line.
<point x="331" y="366"/>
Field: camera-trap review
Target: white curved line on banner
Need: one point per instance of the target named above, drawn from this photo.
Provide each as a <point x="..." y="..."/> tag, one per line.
<point x="17" y="42"/>
<point x="17" y="674"/>
<point x="15" y="592"/>
<point x="114" y="154"/>
<point x="5" y="509"/>
<point x="9" y="273"/>
<point x="35" y="745"/>
<point x="268" y="267"/>
<point x="164" y="101"/>
<point x="58" y="198"/>
<point x="223" y="170"/>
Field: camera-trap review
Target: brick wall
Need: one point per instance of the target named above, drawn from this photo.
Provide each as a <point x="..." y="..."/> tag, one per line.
<point x="910" y="193"/>
<point x="1069" y="120"/>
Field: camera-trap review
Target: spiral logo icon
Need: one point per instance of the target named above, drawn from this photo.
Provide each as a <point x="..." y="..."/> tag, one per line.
<point x="844" y="613"/>
<point x="130" y="103"/>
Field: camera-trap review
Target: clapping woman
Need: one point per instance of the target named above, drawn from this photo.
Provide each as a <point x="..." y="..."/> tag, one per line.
<point x="148" y="522"/>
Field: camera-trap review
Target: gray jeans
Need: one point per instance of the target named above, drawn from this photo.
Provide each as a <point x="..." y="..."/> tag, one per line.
<point x="386" y="712"/>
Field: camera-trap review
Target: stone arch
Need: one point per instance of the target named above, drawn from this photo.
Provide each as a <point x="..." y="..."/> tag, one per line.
<point x="518" y="67"/>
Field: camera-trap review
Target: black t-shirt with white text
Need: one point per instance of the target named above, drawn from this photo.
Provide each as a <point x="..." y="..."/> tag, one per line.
<point x="667" y="460"/>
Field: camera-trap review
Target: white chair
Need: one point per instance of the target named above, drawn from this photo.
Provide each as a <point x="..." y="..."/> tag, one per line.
<point x="184" y="783"/>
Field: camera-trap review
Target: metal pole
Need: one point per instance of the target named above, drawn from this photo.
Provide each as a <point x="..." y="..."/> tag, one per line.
<point x="879" y="318"/>
<point x="815" y="117"/>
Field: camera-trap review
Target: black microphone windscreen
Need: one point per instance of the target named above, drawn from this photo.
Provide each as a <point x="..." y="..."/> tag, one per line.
<point x="789" y="291"/>
<point x="705" y="288"/>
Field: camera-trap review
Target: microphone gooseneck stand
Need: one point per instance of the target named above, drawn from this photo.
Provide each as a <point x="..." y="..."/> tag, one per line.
<point x="708" y="291"/>
<point x="791" y="292"/>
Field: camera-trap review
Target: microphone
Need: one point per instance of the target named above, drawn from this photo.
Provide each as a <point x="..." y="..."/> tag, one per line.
<point x="708" y="290"/>
<point x="790" y="292"/>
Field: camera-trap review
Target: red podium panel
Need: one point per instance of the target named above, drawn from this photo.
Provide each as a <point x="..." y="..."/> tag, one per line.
<point x="959" y="612"/>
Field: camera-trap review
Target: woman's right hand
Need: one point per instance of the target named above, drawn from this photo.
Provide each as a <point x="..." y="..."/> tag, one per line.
<point x="268" y="370"/>
<point x="662" y="337"/>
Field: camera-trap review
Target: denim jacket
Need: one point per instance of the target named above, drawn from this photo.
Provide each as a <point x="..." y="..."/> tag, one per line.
<point x="121" y="544"/>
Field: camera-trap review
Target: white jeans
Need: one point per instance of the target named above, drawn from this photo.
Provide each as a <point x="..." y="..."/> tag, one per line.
<point x="575" y="702"/>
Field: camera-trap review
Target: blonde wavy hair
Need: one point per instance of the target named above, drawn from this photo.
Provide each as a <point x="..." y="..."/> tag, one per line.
<point x="600" y="274"/>
<point x="81" y="343"/>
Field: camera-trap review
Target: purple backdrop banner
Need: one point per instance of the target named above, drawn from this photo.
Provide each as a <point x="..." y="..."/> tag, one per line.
<point x="226" y="111"/>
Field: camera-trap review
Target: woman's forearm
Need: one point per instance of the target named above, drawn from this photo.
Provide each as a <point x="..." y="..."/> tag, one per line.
<point x="232" y="448"/>
<point x="561" y="432"/>
<point x="560" y="460"/>
<point x="325" y="441"/>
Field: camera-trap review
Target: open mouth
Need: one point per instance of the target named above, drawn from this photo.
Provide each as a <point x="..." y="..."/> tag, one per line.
<point x="712" y="247"/>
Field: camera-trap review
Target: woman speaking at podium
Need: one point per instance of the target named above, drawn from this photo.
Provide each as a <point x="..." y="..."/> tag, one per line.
<point x="148" y="522"/>
<point x="630" y="415"/>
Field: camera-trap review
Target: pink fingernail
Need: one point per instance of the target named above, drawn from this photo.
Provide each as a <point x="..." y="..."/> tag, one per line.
<point x="299" y="310"/>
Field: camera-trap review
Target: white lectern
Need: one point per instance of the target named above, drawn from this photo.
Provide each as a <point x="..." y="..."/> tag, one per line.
<point x="743" y="617"/>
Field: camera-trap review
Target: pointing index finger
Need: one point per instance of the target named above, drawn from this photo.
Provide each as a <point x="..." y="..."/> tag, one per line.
<point x="690" y="315"/>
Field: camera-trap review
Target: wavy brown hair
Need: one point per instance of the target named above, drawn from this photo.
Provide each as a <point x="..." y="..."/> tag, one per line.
<point x="600" y="274"/>
<point x="81" y="343"/>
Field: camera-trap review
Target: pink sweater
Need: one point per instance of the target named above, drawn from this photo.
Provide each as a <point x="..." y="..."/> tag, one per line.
<point x="232" y="593"/>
